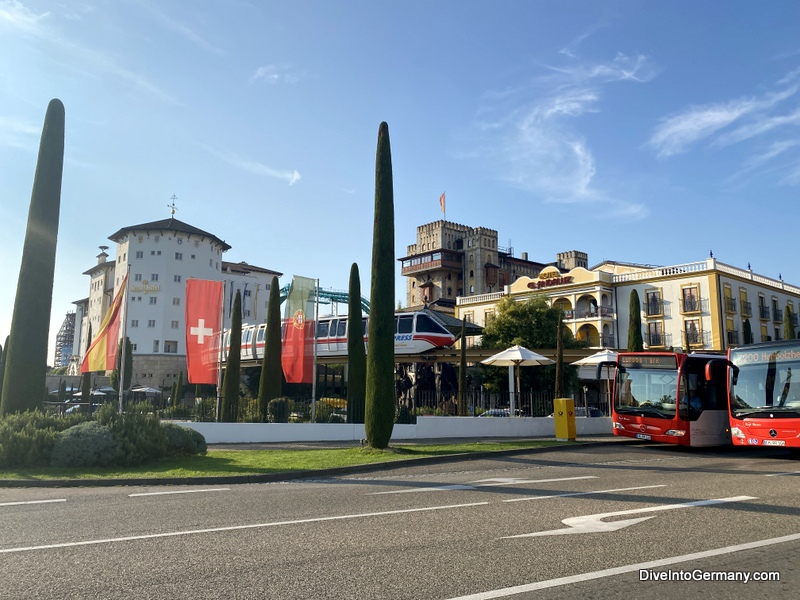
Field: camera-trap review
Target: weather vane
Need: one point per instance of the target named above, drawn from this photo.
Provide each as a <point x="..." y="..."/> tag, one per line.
<point x="172" y="206"/>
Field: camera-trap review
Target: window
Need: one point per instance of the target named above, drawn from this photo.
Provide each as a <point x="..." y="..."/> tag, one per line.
<point x="156" y="238"/>
<point x="170" y="346"/>
<point x="693" y="334"/>
<point x="135" y="323"/>
<point x="653" y="304"/>
<point x="192" y="256"/>
<point x="153" y="300"/>
<point x="176" y="278"/>
<point x="173" y="324"/>
<point x="154" y="277"/>
<point x="137" y="277"/>
<point x="247" y="293"/>
<point x="176" y="302"/>
<point x="139" y="254"/>
<point x="178" y="256"/>
<point x="151" y="323"/>
<point x="655" y="335"/>
<point x="155" y="346"/>
<point x="691" y="302"/>
<point x="405" y="324"/>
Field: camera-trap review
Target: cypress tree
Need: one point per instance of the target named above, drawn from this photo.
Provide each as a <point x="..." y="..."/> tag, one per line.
<point x="86" y="378"/>
<point x="271" y="382"/>
<point x="179" y="390"/>
<point x="788" y="324"/>
<point x="173" y="394"/>
<point x="128" y="366"/>
<point x="747" y="332"/>
<point x="230" y="384"/>
<point x="356" y="353"/>
<point x="3" y="352"/>
<point x="26" y="359"/>
<point x="62" y="391"/>
<point x="635" y="341"/>
<point x="463" y="408"/>
<point x="380" y="402"/>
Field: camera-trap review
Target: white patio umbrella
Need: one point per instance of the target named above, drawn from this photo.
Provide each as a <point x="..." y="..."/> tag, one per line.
<point x="517" y="356"/>
<point x="594" y="360"/>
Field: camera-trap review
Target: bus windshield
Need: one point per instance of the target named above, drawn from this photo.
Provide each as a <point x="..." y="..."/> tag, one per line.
<point x="647" y="392"/>
<point x="764" y="386"/>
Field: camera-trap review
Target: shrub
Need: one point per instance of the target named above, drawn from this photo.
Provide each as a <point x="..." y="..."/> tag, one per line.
<point x="205" y="410"/>
<point x="337" y="418"/>
<point x="87" y="444"/>
<point x="139" y="432"/>
<point x="404" y="416"/>
<point x="278" y="409"/>
<point x="26" y="439"/>
<point x="183" y="441"/>
<point x="323" y="412"/>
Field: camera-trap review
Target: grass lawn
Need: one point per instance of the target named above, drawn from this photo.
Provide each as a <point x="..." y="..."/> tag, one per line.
<point x="250" y="462"/>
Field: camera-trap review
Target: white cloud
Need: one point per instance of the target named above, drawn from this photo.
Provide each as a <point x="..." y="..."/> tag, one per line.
<point x="19" y="17"/>
<point x="273" y="74"/>
<point x="529" y="133"/>
<point x="16" y="133"/>
<point x="255" y="167"/>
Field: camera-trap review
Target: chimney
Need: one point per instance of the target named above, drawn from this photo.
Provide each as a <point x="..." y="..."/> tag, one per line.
<point x="524" y="256"/>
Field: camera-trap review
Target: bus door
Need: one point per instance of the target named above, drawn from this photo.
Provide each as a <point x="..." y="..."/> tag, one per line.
<point x="704" y="404"/>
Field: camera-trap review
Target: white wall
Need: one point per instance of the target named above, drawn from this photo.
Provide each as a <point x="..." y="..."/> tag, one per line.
<point x="427" y="428"/>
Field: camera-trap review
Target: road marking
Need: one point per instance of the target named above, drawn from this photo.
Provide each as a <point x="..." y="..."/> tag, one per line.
<point x="32" y="502"/>
<point x="239" y="527"/>
<point x="594" y="523"/>
<point x="641" y="487"/>
<point x="481" y="483"/>
<point x="653" y="564"/>
<point x="179" y="492"/>
<point x="780" y="474"/>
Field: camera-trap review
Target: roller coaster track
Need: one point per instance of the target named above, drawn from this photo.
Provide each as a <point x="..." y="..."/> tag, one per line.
<point x="329" y="296"/>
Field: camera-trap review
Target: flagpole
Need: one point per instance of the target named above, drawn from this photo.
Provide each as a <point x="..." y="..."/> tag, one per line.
<point x="221" y="342"/>
<point x="314" y="340"/>
<point x="124" y="345"/>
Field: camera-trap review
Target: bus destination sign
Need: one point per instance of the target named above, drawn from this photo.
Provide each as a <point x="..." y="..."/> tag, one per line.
<point x="648" y="361"/>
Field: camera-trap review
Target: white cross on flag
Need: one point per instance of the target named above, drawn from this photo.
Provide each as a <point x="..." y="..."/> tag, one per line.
<point x="203" y="324"/>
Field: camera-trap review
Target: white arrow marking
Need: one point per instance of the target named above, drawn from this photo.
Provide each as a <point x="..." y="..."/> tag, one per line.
<point x="594" y="523"/>
<point x="781" y="474"/>
<point x="481" y="483"/>
<point x="565" y="495"/>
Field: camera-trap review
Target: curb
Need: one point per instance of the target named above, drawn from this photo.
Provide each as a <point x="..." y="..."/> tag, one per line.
<point x="290" y="475"/>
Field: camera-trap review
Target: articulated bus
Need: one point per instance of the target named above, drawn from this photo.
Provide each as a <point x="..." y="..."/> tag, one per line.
<point x="670" y="397"/>
<point x="764" y="401"/>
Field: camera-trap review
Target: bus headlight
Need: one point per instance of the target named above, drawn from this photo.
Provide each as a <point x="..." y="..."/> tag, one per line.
<point x="736" y="432"/>
<point x="675" y="432"/>
<point x="618" y="425"/>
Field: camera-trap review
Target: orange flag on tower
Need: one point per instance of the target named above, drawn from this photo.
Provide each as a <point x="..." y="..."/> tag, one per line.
<point x="102" y="354"/>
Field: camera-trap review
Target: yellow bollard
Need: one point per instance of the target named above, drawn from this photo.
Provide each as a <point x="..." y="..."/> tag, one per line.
<point x="564" y="415"/>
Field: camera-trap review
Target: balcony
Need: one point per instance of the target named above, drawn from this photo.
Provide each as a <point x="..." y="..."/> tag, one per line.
<point x="747" y="309"/>
<point x="653" y="307"/>
<point x="763" y="312"/>
<point x="605" y="312"/>
<point x="730" y="305"/>
<point x="658" y="340"/>
<point x="733" y="338"/>
<point x="777" y="316"/>
<point x="694" y="337"/>
<point x="431" y="261"/>
<point x="690" y="305"/>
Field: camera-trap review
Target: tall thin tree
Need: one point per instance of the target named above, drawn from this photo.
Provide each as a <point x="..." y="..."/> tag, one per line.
<point x="271" y="383"/>
<point x="635" y="341"/>
<point x="380" y="400"/>
<point x="747" y="332"/>
<point x="356" y="353"/>
<point x="789" y="329"/>
<point x="26" y="359"/>
<point x="463" y="407"/>
<point x="559" y="388"/>
<point x="230" y="384"/>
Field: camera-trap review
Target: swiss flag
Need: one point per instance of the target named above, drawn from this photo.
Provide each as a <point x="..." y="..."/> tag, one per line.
<point x="203" y="327"/>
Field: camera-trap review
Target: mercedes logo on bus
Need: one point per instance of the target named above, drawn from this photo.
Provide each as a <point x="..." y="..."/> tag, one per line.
<point x="773" y="433"/>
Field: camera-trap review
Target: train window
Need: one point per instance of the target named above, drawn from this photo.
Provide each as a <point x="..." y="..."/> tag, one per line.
<point x="405" y="324"/>
<point x="322" y="328"/>
<point x="364" y="325"/>
<point x="341" y="329"/>
<point x="426" y="324"/>
<point x="261" y="332"/>
<point x="248" y="335"/>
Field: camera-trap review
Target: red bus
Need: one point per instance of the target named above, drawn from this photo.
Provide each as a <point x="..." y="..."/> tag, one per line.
<point x="764" y="401"/>
<point x="667" y="397"/>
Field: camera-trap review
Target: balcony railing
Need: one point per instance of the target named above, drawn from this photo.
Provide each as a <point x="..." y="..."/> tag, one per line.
<point x="733" y="337"/>
<point x="694" y="337"/>
<point x="747" y="309"/>
<point x="589" y="313"/>
<point x="691" y="305"/>
<point x="730" y="305"/>
<point x="656" y="339"/>
<point x="763" y="312"/>
<point x="777" y="316"/>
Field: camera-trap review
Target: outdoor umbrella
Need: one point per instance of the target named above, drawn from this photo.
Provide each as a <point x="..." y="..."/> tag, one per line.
<point x="595" y="359"/>
<point x="517" y="356"/>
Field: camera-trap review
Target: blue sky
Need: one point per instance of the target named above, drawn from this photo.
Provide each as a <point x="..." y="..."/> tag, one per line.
<point x="639" y="131"/>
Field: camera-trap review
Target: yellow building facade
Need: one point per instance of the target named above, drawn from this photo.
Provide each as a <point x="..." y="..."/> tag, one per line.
<point x="700" y="306"/>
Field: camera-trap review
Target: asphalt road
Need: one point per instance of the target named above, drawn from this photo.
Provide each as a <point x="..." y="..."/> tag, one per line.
<point x="585" y="522"/>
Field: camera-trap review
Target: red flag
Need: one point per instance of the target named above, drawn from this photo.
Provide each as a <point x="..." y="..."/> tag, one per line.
<point x="441" y="201"/>
<point x="297" y="356"/>
<point x="203" y="325"/>
<point x="102" y="354"/>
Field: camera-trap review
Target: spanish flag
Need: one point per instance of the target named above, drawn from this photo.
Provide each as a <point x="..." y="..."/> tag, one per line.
<point x="102" y="354"/>
<point x="441" y="201"/>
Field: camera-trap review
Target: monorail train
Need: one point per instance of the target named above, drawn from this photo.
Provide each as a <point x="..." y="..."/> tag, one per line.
<point x="414" y="333"/>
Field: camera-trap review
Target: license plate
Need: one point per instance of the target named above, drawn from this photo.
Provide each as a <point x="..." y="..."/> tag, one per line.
<point x="774" y="442"/>
<point x="643" y="436"/>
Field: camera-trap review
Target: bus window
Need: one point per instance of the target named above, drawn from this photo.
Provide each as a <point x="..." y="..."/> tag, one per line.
<point x="405" y="324"/>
